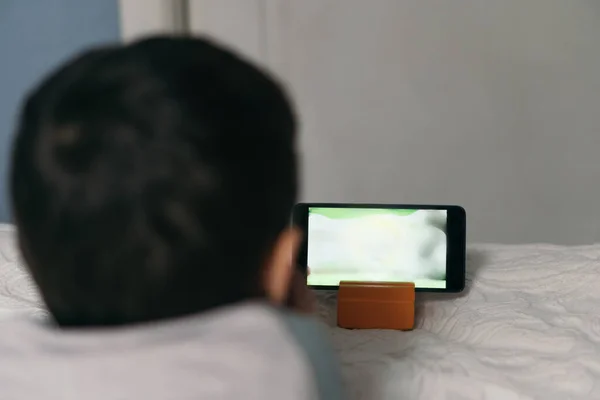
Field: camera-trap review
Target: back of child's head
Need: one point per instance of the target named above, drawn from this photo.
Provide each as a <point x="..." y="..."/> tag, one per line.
<point x="151" y="180"/>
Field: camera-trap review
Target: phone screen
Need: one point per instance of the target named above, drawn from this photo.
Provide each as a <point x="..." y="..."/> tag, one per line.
<point x="372" y="244"/>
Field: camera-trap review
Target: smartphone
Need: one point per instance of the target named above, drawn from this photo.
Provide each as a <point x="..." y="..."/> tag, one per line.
<point x="424" y="244"/>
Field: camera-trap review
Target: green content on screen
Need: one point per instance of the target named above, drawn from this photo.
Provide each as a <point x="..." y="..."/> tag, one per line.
<point x="377" y="244"/>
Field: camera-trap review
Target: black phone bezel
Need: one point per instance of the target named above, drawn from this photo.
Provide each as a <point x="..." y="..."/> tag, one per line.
<point x="455" y="230"/>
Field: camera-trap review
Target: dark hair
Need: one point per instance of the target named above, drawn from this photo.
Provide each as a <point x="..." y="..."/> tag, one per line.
<point x="150" y="180"/>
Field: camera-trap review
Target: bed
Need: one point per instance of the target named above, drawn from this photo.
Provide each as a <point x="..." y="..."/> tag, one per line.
<point x="527" y="327"/>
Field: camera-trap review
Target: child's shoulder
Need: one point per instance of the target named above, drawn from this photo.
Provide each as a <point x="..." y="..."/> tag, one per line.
<point x="250" y="351"/>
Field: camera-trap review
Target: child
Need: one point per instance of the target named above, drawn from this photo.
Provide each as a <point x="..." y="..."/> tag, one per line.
<point x="152" y="186"/>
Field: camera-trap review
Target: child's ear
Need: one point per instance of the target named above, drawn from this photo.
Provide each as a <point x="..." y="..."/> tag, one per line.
<point x="280" y="266"/>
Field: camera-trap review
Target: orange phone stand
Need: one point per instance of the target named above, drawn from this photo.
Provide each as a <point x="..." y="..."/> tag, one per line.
<point x="376" y="305"/>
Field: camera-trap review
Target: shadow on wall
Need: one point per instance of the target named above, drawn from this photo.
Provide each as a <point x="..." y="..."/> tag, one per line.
<point x="35" y="36"/>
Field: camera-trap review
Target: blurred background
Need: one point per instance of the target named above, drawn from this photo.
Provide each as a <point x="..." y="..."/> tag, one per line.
<point x="493" y="105"/>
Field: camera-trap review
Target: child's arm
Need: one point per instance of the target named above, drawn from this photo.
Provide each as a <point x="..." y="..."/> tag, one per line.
<point x="312" y="338"/>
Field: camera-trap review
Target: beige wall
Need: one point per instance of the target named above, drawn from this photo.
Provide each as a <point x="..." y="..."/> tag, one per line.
<point x="494" y="105"/>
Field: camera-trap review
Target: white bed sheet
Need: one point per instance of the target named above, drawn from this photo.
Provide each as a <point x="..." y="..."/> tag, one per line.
<point x="17" y="291"/>
<point x="527" y="327"/>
